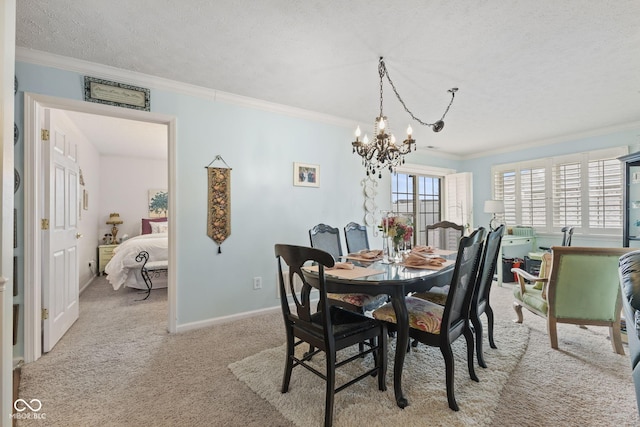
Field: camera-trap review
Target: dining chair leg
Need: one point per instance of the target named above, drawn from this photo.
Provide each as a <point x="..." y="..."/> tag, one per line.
<point x="382" y="359"/>
<point x="330" y="390"/>
<point x="288" y="365"/>
<point x="447" y="353"/>
<point x="477" y="331"/>
<point x="376" y="355"/>
<point x="468" y="336"/>
<point x="489" y="312"/>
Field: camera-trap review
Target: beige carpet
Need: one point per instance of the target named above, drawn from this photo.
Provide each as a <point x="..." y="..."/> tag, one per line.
<point x="117" y="366"/>
<point x="364" y="404"/>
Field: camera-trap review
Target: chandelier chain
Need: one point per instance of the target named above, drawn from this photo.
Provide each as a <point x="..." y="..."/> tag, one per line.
<point x="383" y="72"/>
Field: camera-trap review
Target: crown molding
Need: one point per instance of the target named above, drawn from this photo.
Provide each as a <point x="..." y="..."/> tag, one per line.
<point x="93" y="69"/>
<point x="559" y="139"/>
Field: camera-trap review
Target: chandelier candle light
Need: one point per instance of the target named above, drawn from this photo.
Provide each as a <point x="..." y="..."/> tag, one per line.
<point x="384" y="151"/>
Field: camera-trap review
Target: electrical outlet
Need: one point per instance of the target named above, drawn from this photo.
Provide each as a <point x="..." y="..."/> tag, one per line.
<point x="257" y="283"/>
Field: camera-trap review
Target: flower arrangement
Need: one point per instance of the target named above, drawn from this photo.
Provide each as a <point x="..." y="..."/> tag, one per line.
<point x="398" y="228"/>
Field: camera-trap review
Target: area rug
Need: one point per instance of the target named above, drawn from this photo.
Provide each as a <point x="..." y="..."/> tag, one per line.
<point x="423" y="385"/>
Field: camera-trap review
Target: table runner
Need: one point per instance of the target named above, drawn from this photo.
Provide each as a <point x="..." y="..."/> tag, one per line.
<point x="430" y="267"/>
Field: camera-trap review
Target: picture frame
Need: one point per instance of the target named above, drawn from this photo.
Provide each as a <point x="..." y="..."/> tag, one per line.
<point x="158" y="203"/>
<point x="306" y="175"/>
<point x="116" y="94"/>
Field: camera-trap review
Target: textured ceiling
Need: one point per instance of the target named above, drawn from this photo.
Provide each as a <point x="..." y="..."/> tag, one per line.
<point x="528" y="71"/>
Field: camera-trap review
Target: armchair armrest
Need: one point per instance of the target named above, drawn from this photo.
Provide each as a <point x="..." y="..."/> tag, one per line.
<point x="524" y="275"/>
<point x="528" y="276"/>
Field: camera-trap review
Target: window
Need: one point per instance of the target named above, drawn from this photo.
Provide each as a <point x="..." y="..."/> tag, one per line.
<point x="582" y="190"/>
<point x="419" y="195"/>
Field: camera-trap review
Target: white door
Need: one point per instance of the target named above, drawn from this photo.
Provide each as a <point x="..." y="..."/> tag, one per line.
<point x="60" y="288"/>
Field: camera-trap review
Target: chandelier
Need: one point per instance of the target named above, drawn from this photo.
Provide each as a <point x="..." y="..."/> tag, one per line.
<point x="384" y="151"/>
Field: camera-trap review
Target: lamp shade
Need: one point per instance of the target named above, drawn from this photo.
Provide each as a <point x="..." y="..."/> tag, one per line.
<point x="114" y="218"/>
<point x="493" y="206"/>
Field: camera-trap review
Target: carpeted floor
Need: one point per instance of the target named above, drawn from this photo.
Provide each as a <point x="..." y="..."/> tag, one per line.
<point x="364" y="404"/>
<point x="117" y="366"/>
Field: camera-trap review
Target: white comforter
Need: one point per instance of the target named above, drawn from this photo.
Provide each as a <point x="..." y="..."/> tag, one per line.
<point x="123" y="264"/>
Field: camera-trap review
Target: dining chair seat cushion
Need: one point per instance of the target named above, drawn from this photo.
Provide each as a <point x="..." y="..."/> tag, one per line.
<point x="368" y="302"/>
<point x="423" y="315"/>
<point x="439" y="298"/>
<point x="533" y="297"/>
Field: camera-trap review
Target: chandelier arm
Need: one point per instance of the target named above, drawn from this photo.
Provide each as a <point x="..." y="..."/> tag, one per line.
<point x="383" y="68"/>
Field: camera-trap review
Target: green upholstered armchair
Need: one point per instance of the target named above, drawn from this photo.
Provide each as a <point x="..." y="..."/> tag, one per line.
<point x="576" y="285"/>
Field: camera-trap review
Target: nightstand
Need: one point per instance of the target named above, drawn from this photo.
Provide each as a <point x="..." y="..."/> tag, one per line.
<point x="105" y="253"/>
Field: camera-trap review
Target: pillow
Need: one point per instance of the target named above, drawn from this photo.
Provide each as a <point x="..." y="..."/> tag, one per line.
<point x="159" y="227"/>
<point x="146" y="224"/>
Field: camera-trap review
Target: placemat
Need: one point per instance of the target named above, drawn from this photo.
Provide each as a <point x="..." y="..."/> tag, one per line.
<point x="356" y="273"/>
<point x="431" y="267"/>
<point x="355" y="257"/>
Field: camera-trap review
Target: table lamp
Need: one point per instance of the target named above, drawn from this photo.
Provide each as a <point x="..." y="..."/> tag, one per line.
<point x="493" y="207"/>
<point x="114" y="219"/>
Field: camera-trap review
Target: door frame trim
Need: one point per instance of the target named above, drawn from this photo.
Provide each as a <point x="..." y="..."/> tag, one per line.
<point x="33" y="104"/>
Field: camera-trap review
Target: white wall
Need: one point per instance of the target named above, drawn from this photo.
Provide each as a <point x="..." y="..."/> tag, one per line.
<point x="124" y="188"/>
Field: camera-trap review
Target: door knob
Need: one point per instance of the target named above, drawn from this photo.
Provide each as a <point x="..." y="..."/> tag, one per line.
<point x="78" y="235"/>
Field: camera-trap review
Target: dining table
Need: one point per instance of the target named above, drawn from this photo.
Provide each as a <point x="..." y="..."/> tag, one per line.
<point x="395" y="280"/>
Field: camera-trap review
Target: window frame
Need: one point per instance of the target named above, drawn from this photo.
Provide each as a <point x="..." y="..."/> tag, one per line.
<point x="550" y="165"/>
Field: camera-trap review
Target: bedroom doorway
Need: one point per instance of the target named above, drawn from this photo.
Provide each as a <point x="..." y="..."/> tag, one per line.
<point x="35" y="107"/>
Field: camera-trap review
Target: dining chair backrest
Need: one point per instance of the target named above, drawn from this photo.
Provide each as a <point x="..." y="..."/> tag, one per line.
<point x="567" y="233"/>
<point x="294" y="258"/>
<point x="326" y="238"/>
<point x="457" y="307"/>
<point x="444" y="235"/>
<point x="356" y="237"/>
<point x="487" y="268"/>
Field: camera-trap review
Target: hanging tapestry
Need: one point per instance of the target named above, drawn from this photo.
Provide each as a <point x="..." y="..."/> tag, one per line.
<point x="219" y="209"/>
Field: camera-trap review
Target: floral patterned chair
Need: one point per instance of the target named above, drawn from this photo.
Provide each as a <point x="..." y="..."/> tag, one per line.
<point x="439" y="326"/>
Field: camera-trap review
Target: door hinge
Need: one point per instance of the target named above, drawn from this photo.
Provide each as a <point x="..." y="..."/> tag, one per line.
<point x="44" y="134"/>
<point x="44" y="224"/>
<point x="45" y="313"/>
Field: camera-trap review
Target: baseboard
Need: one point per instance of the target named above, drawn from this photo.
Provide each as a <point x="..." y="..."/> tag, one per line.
<point x="86" y="285"/>
<point x="225" y="319"/>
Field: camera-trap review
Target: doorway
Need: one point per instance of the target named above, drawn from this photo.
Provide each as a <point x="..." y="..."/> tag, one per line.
<point x="35" y="105"/>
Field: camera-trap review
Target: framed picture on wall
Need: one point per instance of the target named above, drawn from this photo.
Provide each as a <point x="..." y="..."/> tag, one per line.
<point x="117" y="94"/>
<point x="158" y="203"/>
<point x="306" y="175"/>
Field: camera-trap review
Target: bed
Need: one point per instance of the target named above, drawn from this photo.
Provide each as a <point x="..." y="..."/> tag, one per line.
<point x="124" y="270"/>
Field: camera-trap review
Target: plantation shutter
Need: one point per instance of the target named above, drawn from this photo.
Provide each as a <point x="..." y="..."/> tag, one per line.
<point x="533" y="197"/>
<point x="567" y="198"/>
<point x="505" y="189"/>
<point x="605" y="194"/>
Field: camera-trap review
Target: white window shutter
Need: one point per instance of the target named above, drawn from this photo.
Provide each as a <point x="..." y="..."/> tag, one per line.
<point x="459" y="198"/>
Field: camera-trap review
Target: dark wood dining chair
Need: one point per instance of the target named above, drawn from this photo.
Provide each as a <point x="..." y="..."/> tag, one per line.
<point x="439" y="326"/>
<point x="444" y="235"/>
<point x="328" y="330"/>
<point x="480" y="301"/>
<point x="356" y="237"/>
<point x="327" y="238"/>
